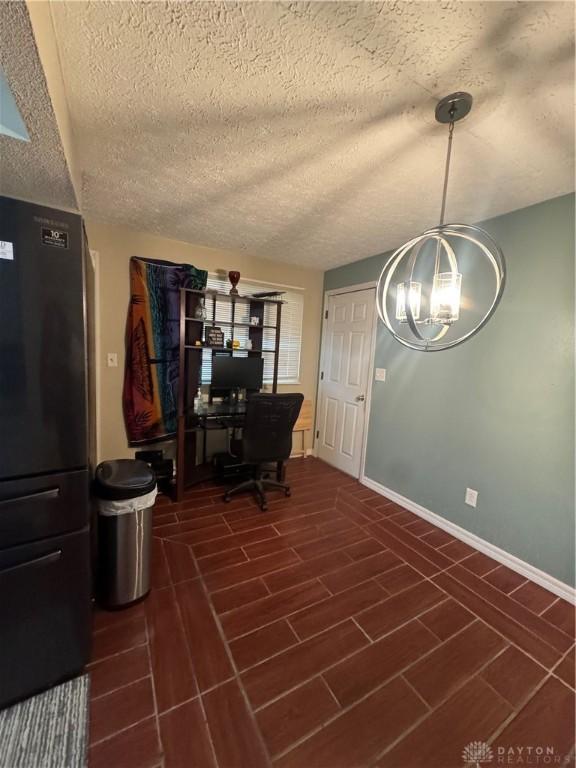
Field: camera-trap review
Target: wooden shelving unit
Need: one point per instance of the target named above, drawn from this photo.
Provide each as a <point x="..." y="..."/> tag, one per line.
<point x="192" y="329"/>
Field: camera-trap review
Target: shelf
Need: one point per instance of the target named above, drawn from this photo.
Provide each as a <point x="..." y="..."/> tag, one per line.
<point x="234" y="298"/>
<point x="187" y="471"/>
<point x="227" y="349"/>
<point x="228" y="323"/>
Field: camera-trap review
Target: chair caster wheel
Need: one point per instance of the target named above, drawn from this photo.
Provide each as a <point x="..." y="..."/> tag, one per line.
<point x="226" y="498"/>
<point x="287" y="492"/>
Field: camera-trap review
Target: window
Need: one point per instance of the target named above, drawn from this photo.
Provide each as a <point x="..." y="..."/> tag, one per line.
<point x="290" y="328"/>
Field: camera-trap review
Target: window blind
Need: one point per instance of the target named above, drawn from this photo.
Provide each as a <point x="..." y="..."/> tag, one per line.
<point x="290" y="328"/>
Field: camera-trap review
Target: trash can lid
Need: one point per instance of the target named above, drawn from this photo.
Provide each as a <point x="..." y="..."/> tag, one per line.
<point x="123" y="479"/>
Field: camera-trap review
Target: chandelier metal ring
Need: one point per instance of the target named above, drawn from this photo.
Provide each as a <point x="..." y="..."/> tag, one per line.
<point x="445" y="291"/>
<point x="466" y="232"/>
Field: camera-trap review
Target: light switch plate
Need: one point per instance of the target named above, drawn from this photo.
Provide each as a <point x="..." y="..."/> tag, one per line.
<point x="471" y="497"/>
<point x="112" y="360"/>
<point x="380" y="374"/>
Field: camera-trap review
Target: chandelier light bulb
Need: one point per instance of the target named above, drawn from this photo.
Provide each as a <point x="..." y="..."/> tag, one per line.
<point x="414" y="297"/>
<point x="445" y="299"/>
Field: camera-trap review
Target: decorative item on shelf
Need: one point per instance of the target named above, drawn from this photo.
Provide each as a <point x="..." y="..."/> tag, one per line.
<point x="441" y="287"/>
<point x="214" y="336"/>
<point x="266" y="295"/>
<point x="236" y="344"/>
<point x="234" y="277"/>
<point x="249" y="344"/>
<point x="198" y="343"/>
<point x="200" y="311"/>
<point x="255" y="320"/>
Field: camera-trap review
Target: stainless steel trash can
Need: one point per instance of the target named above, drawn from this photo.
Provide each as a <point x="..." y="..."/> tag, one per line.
<point x="125" y="490"/>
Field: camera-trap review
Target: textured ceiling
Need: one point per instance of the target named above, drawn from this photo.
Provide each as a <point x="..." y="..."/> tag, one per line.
<point x="34" y="170"/>
<point x="303" y="131"/>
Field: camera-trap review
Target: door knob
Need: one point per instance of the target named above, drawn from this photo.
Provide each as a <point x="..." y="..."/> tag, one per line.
<point x="360" y="399"/>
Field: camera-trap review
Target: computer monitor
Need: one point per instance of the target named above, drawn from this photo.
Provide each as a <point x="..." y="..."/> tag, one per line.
<point x="237" y="372"/>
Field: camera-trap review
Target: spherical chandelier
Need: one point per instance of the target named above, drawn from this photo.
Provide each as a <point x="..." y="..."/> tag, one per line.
<point x="441" y="287"/>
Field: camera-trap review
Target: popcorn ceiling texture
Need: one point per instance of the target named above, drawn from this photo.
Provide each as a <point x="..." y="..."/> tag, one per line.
<point x="304" y="131"/>
<point x="34" y="170"/>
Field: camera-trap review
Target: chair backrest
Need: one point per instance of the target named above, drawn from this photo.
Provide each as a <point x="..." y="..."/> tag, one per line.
<point x="270" y="419"/>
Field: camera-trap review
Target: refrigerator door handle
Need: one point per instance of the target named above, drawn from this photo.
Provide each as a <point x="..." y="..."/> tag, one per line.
<point x="48" y="493"/>
<point x="52" y="557"/>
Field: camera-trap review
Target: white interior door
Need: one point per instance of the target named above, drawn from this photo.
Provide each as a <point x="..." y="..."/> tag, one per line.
<point x="344" y="378"/>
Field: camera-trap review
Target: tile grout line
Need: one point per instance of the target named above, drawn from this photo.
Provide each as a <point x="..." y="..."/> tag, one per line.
<point x="279" y="618"/>
<point x="497" y="631"/>
<point x="509" y="616"/>
<point x="360" y="650"/>
<point x="330" y="691"/>
<point x="482" y="577"/>
<point x="510" y="642"/>
<point x="276" y="570"/>
<point x="238" y="679"/>
<point x="123" y="730"/>
<point x="553" y="669"/>
<point x="547" y="608"/>
<point x="244" y="581"/>
<point x="433" y="709"/>
<point x="361" y="630"/>
<point x="397" y="675"/>
<point x="92" y="664"/>
<point x="287" y="616"/>
<point x="524" y="628"/>
<point x="153" y="683"/>
<point x="192" y="666"/>
<point x="120" y="687"/>
<point x="516" y="710"/>
<point x="352" y="618"/>
<point x="414" y="690"/>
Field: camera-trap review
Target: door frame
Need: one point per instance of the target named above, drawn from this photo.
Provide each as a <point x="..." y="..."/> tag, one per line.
<point x="336" y="292"/>
<point x="97" y="359"/>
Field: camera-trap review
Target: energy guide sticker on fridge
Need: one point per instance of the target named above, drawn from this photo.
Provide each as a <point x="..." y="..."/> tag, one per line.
<point x="6" y="250"/>
<point x="54" y="237"/>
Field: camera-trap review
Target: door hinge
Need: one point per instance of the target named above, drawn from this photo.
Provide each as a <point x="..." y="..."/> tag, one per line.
<point x="326" y="315"/>
<point x="322" y="376"/>
<point x="317" y="434"/>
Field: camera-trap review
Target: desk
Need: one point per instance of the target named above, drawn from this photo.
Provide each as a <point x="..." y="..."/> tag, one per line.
<point x="207" y="417"/>
<point x="225" y="410"/>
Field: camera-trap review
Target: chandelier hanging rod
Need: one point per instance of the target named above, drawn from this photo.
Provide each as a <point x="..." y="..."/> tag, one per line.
<point x="449" y="110"/>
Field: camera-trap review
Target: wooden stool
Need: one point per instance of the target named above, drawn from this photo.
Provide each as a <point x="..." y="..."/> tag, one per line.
<point x="303" y="425"/>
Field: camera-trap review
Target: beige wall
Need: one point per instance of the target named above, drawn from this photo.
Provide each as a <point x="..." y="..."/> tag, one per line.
<point x="115" y="246"/>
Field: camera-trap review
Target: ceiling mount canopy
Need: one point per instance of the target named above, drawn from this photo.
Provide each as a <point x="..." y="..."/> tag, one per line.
<point x="439" y="288"/>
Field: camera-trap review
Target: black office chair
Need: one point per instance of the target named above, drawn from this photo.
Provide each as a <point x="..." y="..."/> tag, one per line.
<point x="266" y="438"/>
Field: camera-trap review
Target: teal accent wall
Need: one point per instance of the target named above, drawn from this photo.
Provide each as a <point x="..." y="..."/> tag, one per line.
<point x="497" y="413"/>
<point x="11" y="122"/>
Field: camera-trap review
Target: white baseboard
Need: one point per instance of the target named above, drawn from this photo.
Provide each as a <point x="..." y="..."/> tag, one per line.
<point x="545" y="580"/>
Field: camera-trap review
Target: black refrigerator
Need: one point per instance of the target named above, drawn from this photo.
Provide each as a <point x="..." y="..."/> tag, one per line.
<point x="44" y="478"/>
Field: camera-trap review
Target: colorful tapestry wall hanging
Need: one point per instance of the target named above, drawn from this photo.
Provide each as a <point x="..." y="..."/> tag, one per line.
<point x="150" y="394"/>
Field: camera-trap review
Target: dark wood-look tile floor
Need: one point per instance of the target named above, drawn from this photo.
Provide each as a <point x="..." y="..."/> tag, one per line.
<point x="336" y="629"/>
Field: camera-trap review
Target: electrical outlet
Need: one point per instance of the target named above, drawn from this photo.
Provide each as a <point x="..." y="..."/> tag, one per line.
<point x="471" y="497"/>
<point x="112" y="360"/>
<point x="380" y="374"/>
